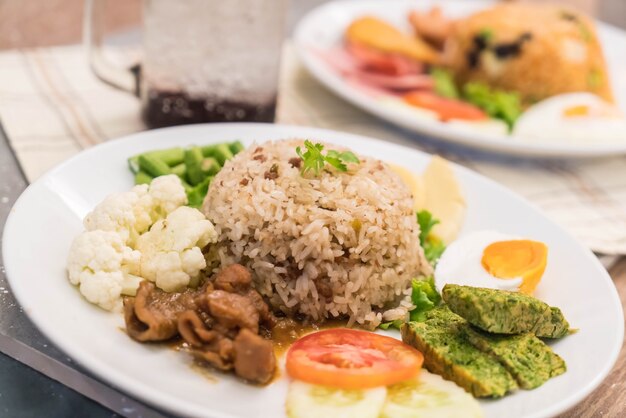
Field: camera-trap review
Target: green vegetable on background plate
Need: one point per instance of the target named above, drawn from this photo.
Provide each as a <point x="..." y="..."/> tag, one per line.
<point x="444" y="83"/>
<point x="496" y="103"/>
<point x="195" y="166"/>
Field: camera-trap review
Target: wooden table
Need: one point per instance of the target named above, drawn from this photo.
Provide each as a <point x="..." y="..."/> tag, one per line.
<point x="609" y="400"/>
<point x="58" y="21"/>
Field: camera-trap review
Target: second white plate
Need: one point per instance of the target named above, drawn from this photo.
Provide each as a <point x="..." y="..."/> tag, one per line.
<point x="323" y="29"/>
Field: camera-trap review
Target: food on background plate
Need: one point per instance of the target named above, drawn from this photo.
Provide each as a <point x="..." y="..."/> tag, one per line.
<point x="377" y="38"/>
<point x="572" y="117"/>
<point x="536" y="50"/>
<point x="487" y="70"/>
<point x="494" y="260"/>
<point x="432" y="26"/>
<point x="505" y="312"/>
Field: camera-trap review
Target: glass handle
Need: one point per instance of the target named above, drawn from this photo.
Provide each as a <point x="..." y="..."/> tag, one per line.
<point x="121" y="78"/>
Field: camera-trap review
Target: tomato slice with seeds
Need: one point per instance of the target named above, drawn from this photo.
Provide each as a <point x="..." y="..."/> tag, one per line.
<point x="446" y="108"/>
<point x="352" y="359"/>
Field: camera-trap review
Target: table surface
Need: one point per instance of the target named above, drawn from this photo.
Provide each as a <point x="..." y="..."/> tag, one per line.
<point x="25" y="392"/>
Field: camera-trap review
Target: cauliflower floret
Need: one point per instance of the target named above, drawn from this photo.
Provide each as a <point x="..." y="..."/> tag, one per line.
<point x="168" y="194"/>
<point x="104" y="267"/>
<point x="131" y="213"/>
<point x="171" y="252"/>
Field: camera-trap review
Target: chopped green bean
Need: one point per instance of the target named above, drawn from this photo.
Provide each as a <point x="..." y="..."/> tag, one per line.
<point x="180" y="170"/>
<point x="236" y="147"/>
<point x="141" y="177"/>
<point x="193" y="160"/>
<point x="153" y="166"/>
<point x="170" y="156"/>
<point x="210" y="166"/>
<point x="133" y="164"/>
<point x="208" y="150"/>
<point x="196" y="195"/>
<point x="222" y="153"/>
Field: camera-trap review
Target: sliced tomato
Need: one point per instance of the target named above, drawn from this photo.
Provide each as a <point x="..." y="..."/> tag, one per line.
<point x="446" y="108"/>
<point x="351" y="359"/>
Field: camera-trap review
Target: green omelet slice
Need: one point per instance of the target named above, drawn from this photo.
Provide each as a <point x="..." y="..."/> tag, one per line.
<point x="448" y="354"/>
<point x="529" y="360"/>
<point x="504" y="312"/>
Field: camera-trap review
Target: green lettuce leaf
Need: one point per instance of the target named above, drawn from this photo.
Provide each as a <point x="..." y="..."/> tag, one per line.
<point x="444" y="83"/>
<point x="496" y="103"/>
<point x="424" y="296"/>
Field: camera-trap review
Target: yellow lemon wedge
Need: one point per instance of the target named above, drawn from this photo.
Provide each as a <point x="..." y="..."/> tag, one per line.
<point x="414" y="183"/>
<point x="517" y="258"/>
<point x="437" y="191"/>
<point x="444" y="199"/>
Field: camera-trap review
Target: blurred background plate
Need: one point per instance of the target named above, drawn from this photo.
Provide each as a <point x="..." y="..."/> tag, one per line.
<point x="323" y="29"/>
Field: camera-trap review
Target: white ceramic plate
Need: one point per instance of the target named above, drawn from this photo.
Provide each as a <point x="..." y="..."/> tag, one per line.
<point x="323" y="28"/>
<point x="48" y="216"/>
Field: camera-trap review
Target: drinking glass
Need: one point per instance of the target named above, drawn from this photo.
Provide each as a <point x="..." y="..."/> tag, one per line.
<point x="202" y="60"/>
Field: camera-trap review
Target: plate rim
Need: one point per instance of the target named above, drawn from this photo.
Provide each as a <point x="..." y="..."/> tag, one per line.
<point x="436" y="130"/>
<point x="168" y="402"/>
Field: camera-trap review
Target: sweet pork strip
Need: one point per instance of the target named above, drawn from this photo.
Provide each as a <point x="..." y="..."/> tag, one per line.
<point x="208" y="345"/>
<point x="151" y="315"/>
<point x="254" y="357"/>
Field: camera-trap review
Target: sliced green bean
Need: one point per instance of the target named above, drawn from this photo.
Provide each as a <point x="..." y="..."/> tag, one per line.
<point x="193" y="161"/>
<point x="210" y="166"/>
<point x="222" y="153"/>
<point x="153" y="166"/>
<point x="180" y="170"/>
<point x="236" y="147"/>
<point x="170" y="156"/>
<point x="196" y="195"/>
<point x="208" y="150"/>
<point x="133" y="164"/>
<point x="141" y="177"/>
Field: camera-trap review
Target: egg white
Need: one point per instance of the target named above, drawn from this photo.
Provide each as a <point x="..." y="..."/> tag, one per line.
<point x="461" y="263"/>
<point x="545" y="121"/>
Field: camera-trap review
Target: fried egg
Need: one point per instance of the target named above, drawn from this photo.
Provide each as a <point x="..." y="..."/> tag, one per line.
<point x="492" y="260"/>
<point x="572" y="117"/>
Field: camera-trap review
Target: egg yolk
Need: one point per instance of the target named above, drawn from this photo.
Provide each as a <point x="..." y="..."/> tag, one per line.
<point x="574" y="111"/>
<point x="517" y="258"/>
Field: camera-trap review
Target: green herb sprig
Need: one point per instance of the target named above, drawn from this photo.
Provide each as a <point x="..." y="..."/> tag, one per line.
<point x="314" y="160"/>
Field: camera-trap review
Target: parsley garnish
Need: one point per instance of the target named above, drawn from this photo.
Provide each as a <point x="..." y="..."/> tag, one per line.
<point x="314" y="160"/>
